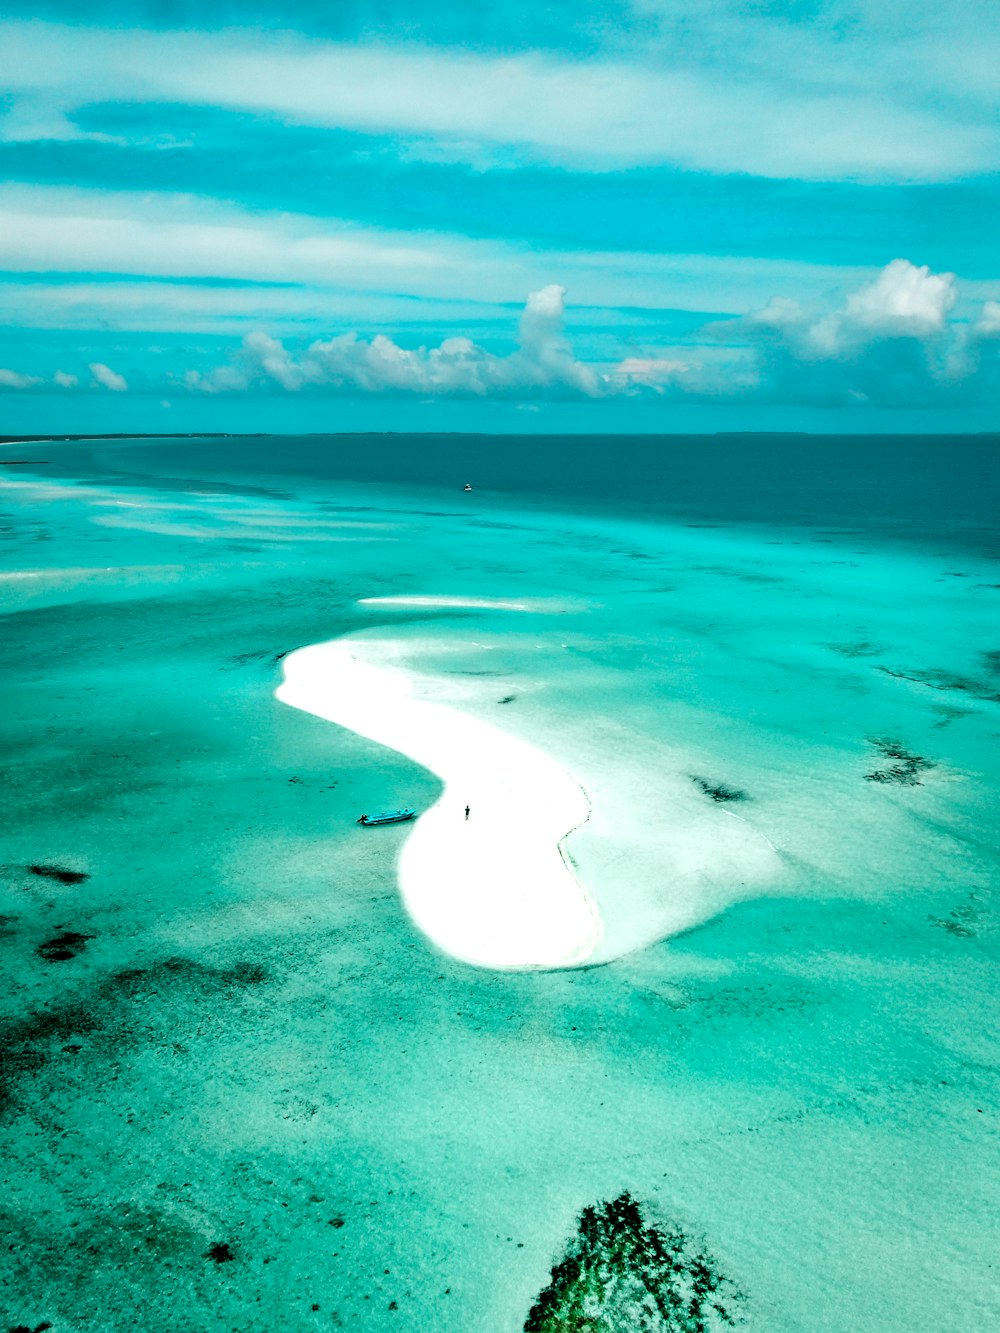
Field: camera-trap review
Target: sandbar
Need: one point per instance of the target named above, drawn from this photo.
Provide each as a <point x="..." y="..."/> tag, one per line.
<point x="484" y="603"/>
<point x="494" y="889"/>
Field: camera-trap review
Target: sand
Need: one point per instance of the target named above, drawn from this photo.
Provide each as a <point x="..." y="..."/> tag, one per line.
<point x="494" y="888"/>
<point x="452" y="602"/>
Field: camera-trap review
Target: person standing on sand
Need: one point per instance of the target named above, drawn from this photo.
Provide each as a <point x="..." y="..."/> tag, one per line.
<point x="467" y="812"/>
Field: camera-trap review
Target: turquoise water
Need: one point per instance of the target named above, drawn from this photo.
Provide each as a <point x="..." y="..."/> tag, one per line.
<point x="234" y="1036"/>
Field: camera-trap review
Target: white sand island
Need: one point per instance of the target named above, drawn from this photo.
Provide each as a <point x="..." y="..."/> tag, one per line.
<point x="494" y="889"/>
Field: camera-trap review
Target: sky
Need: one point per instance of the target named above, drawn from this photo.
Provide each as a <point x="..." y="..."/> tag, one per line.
<point x="610" y="215"/>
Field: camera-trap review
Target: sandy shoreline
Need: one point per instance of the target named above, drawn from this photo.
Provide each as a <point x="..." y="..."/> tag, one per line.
<point x="493" y="889"/>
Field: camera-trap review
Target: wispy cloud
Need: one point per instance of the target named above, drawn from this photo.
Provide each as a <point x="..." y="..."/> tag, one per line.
<point x="45" y="229"/>
<point x="120" y="232"/>
<point x="591" y="113"/>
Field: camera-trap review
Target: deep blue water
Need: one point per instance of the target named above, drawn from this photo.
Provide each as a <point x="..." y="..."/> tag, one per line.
<point x="927" y="489"/>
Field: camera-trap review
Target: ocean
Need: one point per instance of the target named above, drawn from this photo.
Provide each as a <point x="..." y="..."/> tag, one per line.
<point x="241" y="1089"/>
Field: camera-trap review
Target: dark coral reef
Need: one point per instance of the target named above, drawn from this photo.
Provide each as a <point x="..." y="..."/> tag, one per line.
<point x="905" y="767"/>
<point x="718" y="791"/>
<point x="64" y="946"/>
<point x="622" y="1272"/>
<point x="60" y="874"/>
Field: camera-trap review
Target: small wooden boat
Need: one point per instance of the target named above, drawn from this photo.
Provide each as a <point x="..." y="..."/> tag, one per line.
<point x="387" y="817"/>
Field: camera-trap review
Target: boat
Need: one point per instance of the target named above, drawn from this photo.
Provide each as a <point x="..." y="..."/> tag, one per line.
<point x="467" y="487"/>
<point x="387" y="817"/>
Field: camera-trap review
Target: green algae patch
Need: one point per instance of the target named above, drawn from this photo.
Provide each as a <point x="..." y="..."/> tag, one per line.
<point x="905" y="767"/>
<point x="113" y="1014"/>
<point x="856" y="648"/>
<point x="965" y="920"/>
<point x="27" y="1044"/>
<point x="623" y="1273"/>
<point x="946" y="681"/>
<point x="61" y="874"/>
<point x="182" y="975"/>
<point x="60" y="948"/>
<point x="718" y="791"/>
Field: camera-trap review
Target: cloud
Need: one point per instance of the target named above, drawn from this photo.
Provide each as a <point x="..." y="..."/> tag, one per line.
<point x="978" y="359"/>
<point x="677" y="104"/>
<point x="656" y="372"/>
<point x="64" y="230"/>
<point x="543" y="364"/>
<point x="904" y="299"/>
<point x="13" y="379"/>
<point x="108" y="378"/>
<point x="918" y="51"/>
<point x="46" y="229"/>
<point x="103" y="377"/>
<point x="888" y="343"/>
<point x="901" y="338"/>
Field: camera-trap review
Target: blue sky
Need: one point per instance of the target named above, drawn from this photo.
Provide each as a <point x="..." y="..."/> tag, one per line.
<point x="621" y="215"/>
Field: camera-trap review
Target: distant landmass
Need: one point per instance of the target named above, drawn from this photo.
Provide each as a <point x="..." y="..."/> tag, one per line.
<point x="479" y="434"/>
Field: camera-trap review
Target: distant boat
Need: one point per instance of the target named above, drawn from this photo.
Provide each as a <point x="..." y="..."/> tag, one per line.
<point x="467" y="487"/>
<point x="386" y="817"/>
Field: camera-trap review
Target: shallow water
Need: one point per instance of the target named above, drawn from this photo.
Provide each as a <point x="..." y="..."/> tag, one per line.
<point x="249" y="1044"/>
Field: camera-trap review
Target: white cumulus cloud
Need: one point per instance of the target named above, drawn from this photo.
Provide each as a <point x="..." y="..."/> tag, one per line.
<point x="894" y="340"/>
<point x="543" y="363"/>
<point x="108" y="378"/>
<point x="13" y="379"/>
<point x="891" y="342"/>
<point x="988" y="324"/>
<point x="904" y="298"/>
